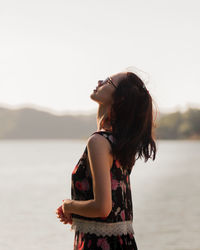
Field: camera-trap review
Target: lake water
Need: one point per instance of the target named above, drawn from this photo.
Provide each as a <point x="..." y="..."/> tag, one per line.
<point x="35" y="176"/>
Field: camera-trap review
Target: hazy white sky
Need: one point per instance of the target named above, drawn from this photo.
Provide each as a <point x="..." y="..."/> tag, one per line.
<point x="52" y="52"/>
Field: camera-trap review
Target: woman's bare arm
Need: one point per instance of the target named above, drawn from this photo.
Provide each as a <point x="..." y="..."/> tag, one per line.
<point x="100" y="161"/>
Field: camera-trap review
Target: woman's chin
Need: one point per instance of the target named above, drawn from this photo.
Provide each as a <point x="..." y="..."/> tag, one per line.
<point x="93" y="97"/>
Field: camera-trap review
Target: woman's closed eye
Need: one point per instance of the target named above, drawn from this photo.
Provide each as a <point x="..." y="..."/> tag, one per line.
<point x="106" y="81"/>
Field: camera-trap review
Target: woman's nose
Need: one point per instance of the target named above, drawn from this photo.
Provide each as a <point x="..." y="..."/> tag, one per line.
<point x="100" y="82"/>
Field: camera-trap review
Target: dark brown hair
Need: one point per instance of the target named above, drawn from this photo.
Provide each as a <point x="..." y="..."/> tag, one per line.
<point x="132" y="122"/>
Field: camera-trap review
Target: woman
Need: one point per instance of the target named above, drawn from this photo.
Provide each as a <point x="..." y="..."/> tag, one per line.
<point x="100" y="210"/>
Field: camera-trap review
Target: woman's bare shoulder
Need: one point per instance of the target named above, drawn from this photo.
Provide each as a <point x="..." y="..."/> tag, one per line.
<point x="98" y="140"/>
<point x="99" y="145"/>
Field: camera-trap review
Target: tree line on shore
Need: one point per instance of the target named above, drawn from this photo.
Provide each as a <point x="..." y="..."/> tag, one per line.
<point x="28" y="123"/>
<point x="179" y="125"/>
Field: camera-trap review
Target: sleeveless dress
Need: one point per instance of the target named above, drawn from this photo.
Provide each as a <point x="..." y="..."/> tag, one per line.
<point x="103" y="233"/>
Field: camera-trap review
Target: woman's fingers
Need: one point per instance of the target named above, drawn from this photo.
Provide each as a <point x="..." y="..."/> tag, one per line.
<point x="59" y="210"/>
<point x="62" y="218"/>
<point x="65" y="218"/>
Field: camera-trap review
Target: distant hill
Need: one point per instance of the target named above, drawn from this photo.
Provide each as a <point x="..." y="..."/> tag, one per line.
<point x="179" y="125"/>
<point x="28" y="123"/>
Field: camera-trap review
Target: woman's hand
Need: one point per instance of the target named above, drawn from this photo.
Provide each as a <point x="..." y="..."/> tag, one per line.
<point x="65" y="218"/>
<point x="65" y="206"/>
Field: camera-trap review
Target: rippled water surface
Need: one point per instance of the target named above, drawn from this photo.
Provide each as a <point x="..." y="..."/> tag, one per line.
<point x="36" y="175"/>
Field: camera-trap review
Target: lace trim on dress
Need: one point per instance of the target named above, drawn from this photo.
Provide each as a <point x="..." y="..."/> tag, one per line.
<point x="102" y="228"/>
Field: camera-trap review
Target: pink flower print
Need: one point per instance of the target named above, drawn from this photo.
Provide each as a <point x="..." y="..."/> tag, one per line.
<point x="117" y="164"/>
<point x="85" y="185"/>
<point x="114" y="184"/>
<point x="78" y="185"/>
<point x="80" y="242"/>
<point x="103" y="244"/>
<point x="75" y="169"/>
<point x="122" y="215"/>
<point x="120" y="240"/>
<point x="89" y="243"/>
<point x="82" y="185"/>
<point x="99" y="242"/>
<point x="81" y="247"/>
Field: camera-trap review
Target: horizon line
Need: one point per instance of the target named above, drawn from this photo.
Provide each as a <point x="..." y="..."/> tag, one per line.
<point x="177" y="108"/>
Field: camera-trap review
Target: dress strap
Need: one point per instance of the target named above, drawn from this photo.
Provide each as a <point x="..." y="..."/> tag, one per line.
<point x="107" y="134"/>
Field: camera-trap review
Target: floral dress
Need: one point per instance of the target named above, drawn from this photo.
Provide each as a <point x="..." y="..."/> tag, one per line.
<point x="104" y="233"/>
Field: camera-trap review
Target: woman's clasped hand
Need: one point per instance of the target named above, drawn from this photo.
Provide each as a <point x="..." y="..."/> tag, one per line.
<point x="66" y="218"/>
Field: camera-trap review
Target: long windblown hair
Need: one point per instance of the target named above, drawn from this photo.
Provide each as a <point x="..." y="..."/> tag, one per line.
<point x="132" y="122"/>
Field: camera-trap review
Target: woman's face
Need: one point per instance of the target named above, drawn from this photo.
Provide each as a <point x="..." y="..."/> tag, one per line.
<point x="105" y="89"/>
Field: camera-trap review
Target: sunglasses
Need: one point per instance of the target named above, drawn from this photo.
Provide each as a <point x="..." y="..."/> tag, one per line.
<point x="109" y="81"/>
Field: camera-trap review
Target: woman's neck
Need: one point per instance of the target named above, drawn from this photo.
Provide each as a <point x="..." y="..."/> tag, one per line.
<point x="103" y="122"/>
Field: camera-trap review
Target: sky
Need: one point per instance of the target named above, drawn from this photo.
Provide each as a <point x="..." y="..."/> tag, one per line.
<point x="53" y="52"/>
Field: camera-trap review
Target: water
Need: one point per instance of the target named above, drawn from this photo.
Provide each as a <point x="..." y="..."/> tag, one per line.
<point x="35" y="178"/>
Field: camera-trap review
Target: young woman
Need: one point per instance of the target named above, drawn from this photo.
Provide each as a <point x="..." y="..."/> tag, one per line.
<point x="100" y="210"/>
